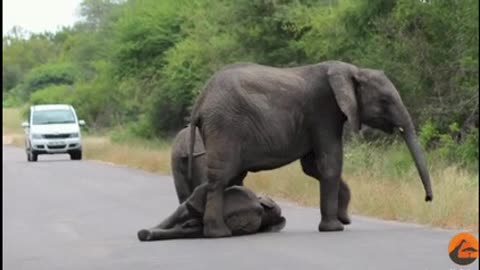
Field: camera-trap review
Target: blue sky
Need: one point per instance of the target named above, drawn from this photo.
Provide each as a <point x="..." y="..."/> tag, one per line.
<point x="39" y="15"/>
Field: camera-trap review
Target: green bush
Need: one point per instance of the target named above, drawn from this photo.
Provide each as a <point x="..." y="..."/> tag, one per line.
<point x="46" y="75"/>
<point x="145" y="31"/>
<point x="429" y="135"/>
<point x="98" y="100"/>
<point x="465" y="153"/>
<point x="445" y="144"/>
<point x="53" y="94"/>
<point x="468" y="150"/>
<point x="188" y="67"/>
<point x="140" y="129"/>
<point x="11" y="100"/>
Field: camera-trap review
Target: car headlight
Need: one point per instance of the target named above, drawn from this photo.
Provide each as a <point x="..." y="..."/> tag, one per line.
<point x="36" y="136"/>
<point x="75" y="135"/>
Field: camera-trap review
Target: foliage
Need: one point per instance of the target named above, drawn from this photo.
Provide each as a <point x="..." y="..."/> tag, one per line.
<point x="447" y="145"/>
<point x="21" y="55"/>
<point x="140" y="64"/>
<point x="145" y="31"/>
<point x="47" y="75"/>
<point x="96" y="100"/>
<point x="428" y="134"/>
<point x="52" y="94"/>
<point x="10" y="100"/>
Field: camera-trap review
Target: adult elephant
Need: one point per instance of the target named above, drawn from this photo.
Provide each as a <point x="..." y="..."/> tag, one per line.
<point x="254" y="117"/>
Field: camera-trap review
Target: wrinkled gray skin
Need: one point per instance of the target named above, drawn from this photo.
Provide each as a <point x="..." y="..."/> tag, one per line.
<point x="179" y="163"/>
<point x="244" y="213"/>
<point x="253" y="118"/>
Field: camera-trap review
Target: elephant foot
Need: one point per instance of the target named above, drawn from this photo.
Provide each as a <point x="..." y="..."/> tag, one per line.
<point x="214" y="230"/>
<point x="144" y="235"/>
<point x="330" y="226"/>
<point x="344" y="218"/>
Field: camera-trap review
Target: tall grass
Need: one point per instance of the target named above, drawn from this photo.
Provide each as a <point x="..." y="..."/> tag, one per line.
<point x="150" y="156"/>
<point x="383" y="178"/>
<point x="12" y="121"/>
<point x="385" y="184"/>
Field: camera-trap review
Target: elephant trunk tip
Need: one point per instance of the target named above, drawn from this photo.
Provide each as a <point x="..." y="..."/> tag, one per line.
<point x="429" y="197"/>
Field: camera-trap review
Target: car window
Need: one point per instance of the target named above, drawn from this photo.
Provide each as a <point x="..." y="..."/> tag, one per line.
<point x="48" y="117"/>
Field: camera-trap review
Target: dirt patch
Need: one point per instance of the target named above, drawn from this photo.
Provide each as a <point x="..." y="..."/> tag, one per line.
<point x="13" y="139"/>
<point x="7" y="139"/>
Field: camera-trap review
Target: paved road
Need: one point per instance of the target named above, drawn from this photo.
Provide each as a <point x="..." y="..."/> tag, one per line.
<point x="61" y="214"/>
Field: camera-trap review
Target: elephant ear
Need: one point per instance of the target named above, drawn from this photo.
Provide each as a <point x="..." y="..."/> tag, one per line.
<point x="342" y="83"/>
<point x="267" y="202"/>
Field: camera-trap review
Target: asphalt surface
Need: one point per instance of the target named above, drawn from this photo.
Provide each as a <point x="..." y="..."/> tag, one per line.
<point x="62" y="214"/>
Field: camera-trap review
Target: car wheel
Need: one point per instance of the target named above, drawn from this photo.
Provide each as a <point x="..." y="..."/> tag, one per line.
<point x="76" y="155"/>
<point x="28" y="151"/>
<point x="34" y="156"/>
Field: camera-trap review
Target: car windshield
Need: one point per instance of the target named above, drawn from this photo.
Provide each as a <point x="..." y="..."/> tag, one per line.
<point x="48" y="117"/>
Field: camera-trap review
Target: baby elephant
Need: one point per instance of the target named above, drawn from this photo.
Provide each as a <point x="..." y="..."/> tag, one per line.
<point x="179" y="161"/>
<point x="244" y="213"/>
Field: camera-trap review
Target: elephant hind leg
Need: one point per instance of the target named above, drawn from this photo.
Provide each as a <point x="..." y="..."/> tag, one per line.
<point x="222" y="167"/>
<point x="343" y="201"/>
<point x="309" y="167"/>
<point x="175" y="232"/>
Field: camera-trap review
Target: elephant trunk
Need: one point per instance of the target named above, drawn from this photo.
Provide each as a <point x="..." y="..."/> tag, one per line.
<point x="408" y="134"/>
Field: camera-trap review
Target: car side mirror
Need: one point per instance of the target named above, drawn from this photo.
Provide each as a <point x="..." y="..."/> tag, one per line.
<point x="25" y="125"/>
<point x="81" y="122"/>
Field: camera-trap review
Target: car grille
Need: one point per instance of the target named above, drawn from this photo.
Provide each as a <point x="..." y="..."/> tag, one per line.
<point x="56" y="146"/>
<point x="56" y="136"/>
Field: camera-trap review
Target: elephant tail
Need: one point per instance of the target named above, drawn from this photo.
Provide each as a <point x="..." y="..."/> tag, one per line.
<point x="195" y="119"/>
<point x="193" y="128"/>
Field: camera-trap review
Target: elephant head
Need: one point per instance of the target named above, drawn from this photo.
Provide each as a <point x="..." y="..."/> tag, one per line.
<point x="367" y="96"/>
<point x="272" y="219"/>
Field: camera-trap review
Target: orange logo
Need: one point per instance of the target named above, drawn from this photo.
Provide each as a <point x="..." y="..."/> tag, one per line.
<point x="463" y="249"/>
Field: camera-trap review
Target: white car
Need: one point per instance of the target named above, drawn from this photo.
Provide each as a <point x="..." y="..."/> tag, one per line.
<point x="53" y="129"/>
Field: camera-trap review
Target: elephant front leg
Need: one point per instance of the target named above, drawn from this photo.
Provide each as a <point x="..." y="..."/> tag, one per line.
<point x="178" y="216"/>
<point x="309" y="167"/>
<point x="329" y="164"/>
<point x="329" y="205"/>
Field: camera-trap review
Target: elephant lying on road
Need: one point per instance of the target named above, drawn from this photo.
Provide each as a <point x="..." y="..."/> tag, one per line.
<point x="253" y="117"/>
<point x="179" y="160"/>
<point x="244" y="213"/>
